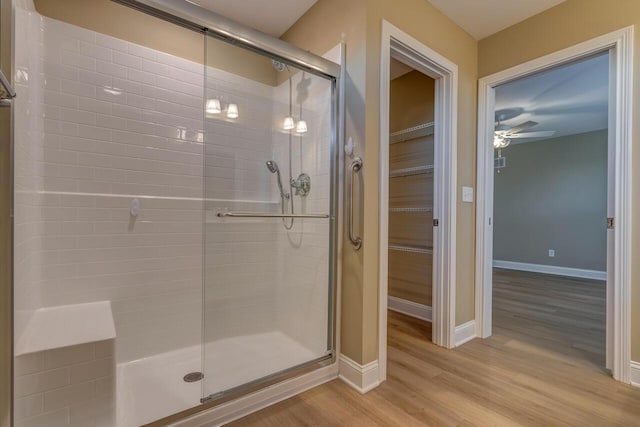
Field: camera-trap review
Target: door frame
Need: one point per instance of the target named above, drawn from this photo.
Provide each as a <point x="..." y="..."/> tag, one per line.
<point x="399" y="45"/>
<point x="620" y="45"/>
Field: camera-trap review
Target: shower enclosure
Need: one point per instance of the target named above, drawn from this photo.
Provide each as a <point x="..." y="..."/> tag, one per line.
<point x="175" y="220"/>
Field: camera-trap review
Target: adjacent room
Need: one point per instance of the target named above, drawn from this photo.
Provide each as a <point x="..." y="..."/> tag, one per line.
<point x="550" y="211"/>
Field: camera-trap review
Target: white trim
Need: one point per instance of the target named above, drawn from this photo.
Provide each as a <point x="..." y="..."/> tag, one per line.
<point x="361" y="377"/>
<point x="620" y="44"/>
<point x="410" y="308"/>
<point x="551" y="269"/>
<point x="634" y="373"/>
<point x="405" y="48"/>
<point x="465" y="332"/>
<point x="253" y="402"/>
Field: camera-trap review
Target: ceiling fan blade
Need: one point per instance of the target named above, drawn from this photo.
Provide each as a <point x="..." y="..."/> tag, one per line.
<point x="521" y="127"/>
<point x="533" y="134"/>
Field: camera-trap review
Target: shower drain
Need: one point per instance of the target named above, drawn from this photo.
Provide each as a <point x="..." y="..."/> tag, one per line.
<point x="192" y="377"/>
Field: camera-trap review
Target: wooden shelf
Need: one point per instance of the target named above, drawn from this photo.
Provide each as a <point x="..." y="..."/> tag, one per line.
<point x="411" y="210"/>
<point x="408" y="134"/>
<point x="411" y="248"/>
<point x="417" y="170"/>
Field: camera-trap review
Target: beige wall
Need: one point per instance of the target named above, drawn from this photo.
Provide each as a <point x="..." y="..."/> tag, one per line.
<point x="113" y="19"/>
<point x="553" y="195"/>
<point x="411" y="101"/>
<point x="565" y="25"/>
<point x="318" y="30"/>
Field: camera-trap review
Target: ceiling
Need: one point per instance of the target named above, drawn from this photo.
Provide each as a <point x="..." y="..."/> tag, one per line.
<point x="398" y="69"/>
<point x="569" y="100"/>
<point x="481" y="18"/>
<point x="273" y="17"/>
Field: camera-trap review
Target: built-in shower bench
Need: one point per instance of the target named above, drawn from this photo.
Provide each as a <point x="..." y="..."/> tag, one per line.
<point x="66" y="325"/>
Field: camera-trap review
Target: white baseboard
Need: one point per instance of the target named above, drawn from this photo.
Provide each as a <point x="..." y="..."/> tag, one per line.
<point x="551" y="269"/>
<point x="361" y="377"/>
<point x="253" y="402"/>
<point x="634" y="374"/>
<point x="465" y="332"/>
<point x="409" y="308"/>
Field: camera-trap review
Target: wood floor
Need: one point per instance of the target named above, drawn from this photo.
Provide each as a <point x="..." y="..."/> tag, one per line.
<point x="544" y="366"/>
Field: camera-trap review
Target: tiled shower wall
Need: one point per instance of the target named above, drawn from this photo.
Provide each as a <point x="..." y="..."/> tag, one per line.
<point x="121" y="122"/>
<point x="29" y="139"/>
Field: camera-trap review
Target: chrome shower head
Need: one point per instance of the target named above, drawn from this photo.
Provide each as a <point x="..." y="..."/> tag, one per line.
<point x="272" y="166"/>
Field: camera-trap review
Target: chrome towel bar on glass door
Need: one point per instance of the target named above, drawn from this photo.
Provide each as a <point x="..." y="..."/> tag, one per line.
<point x="268" y="215"/>
<point x="356" y="241"/>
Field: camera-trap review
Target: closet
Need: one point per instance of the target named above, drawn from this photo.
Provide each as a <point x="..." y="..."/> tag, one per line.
<point x="411" y="185"/>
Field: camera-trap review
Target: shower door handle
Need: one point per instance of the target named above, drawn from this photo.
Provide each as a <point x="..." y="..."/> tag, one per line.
<point x="356" y="165"/>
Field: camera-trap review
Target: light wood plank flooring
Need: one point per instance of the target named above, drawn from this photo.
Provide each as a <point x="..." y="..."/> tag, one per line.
<point x="544" y="366"/>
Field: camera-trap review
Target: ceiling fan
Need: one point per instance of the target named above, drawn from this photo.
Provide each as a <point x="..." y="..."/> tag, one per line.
<point x="502" y="137"/>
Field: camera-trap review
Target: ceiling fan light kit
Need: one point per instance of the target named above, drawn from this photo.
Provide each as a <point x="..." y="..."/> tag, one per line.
<point x="499" y="141"/>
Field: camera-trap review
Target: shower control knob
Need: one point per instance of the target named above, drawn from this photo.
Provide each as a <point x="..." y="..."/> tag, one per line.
<point x="302" y="184"/>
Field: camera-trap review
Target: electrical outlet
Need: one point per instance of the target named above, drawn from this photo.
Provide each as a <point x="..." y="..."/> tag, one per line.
<point x="552" y="253"/>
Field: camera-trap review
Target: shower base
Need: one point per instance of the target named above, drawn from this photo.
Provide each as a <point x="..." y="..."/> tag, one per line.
<point x="153" y="387"/>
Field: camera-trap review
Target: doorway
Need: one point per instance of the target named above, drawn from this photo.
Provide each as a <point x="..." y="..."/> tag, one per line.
<point x="617" y="46"/>
<point x="399" y="46"/>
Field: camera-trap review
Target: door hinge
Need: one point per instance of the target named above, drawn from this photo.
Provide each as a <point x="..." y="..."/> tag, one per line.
<point x="610" y="223"/>
<point x="436" y="222"/>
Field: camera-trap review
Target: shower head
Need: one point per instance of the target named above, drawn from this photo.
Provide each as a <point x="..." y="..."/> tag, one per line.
<point x="272" y="166"/>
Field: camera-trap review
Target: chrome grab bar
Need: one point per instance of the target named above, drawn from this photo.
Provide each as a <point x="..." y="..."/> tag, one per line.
<point x="356" y="165"/>
<point x="267" y="215"/>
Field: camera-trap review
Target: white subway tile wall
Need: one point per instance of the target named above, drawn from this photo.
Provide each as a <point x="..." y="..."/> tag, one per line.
<point x="109" y="136"/>
<point x="29" y="140"/>
<point x="101" y="122"/>
<point x="69" y="386"/>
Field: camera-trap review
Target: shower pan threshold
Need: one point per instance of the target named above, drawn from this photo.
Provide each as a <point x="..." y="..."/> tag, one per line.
<point x="153" y="387"/>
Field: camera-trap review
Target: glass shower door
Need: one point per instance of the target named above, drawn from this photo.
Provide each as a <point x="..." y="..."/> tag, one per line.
<point x="269" y="234"/>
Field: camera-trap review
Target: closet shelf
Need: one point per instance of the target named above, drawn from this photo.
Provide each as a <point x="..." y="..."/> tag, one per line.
<point x="411" y="248"/>
<point x="410" y="209"/>
<point x="424" y="129"/>
<point x="418" y="170"/>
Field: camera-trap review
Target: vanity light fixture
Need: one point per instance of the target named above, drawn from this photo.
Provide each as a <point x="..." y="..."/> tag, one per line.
<point x="289" y="123"/>
<point x="301" y="127"/>
<point x="213" y="106"/>
<point x="232" y="111"/>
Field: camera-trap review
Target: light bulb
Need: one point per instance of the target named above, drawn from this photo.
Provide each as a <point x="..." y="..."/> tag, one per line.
<point x="232" y="111"/>
<point x="213" y="106"/>
<point x="289" y="123"/>
<point x="499" y="141"/>
<point x="301" y="127"/>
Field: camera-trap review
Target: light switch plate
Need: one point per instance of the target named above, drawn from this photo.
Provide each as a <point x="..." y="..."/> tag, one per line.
<point x="467" y="194"/>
